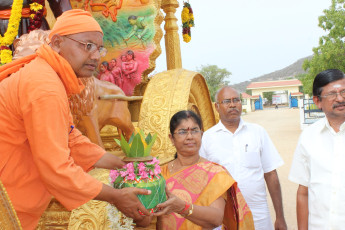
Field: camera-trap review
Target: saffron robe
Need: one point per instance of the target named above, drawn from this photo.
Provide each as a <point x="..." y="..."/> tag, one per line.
<point x="41" y="154"/>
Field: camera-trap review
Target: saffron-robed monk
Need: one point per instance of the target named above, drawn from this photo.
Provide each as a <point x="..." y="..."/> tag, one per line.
<point x="41" y="153"/>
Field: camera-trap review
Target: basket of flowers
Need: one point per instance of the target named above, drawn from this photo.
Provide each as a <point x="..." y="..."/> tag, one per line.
<point x="142" y="170"/>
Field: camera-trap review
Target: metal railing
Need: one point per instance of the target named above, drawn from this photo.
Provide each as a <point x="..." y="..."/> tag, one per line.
<point x="311" y="112"/>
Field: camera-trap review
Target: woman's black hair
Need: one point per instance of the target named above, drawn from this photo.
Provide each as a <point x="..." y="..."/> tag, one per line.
<point x="324" y="78"/>
<point x="130" y="52"/>
<point x="105" y="64"/>
<point x="177" y="118"/>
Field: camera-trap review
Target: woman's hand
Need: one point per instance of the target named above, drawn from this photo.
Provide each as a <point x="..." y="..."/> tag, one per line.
<point x="208" y="217"/>
<point x="173" y="204"/>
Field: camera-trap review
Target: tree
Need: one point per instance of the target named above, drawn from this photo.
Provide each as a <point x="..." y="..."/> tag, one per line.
<point x="215" y="78"/>
<point x="331" y="50"/>
<point x="268" y="96"/>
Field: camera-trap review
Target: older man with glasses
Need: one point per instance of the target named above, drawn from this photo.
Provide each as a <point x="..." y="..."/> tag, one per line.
<point x="318" y="164"/>
<point x="248" y="153"/>
<point x="41" y="153"/>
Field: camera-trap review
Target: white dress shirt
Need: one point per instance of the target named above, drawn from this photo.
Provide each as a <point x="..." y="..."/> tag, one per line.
<point x="319" y="164"/>
<point x="247" y="154"/>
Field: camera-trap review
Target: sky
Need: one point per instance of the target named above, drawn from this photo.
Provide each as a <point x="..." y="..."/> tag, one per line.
<point x="249" y="38"/>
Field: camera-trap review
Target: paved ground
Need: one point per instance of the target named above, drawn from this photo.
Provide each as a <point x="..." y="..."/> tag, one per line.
<point x="283" y="127"/>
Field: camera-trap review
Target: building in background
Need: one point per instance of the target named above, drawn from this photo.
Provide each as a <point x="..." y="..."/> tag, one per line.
<point x="283" y="92"/>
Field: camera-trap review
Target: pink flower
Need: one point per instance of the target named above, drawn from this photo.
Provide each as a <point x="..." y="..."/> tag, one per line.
<point x="157" y="169"/>
<point x="154" y="161"/>
<point x="141" y="167"/>
<point x="130" y="167"/>
<point x="113" y="175"/>
<point x="123" y="173"/>
<point x="131" y="176"/>
<point x="143" y="174"/>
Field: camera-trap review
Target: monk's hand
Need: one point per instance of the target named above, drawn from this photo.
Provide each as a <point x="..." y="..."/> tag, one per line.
<point x="129" y="204"/>
<point x="119" y="163"/>
<point x="109" y="161"/>
<point x="173" y="204"/>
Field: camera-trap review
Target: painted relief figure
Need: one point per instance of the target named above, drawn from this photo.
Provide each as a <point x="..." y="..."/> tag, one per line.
<point x="139" y="28"/>
<point x="104" y="73"/>
<point x="131" y="35"/>
<point x="135" y="3"/>
<point x="116" y="72"/>
<point x="130" y="73"/>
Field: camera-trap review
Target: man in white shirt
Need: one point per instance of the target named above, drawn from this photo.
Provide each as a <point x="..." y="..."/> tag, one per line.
<point x="248" y="153"/>
<point x="318" y="164"/>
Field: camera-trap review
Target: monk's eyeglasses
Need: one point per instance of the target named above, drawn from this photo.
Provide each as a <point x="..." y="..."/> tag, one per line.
<point x="91" y="47"/>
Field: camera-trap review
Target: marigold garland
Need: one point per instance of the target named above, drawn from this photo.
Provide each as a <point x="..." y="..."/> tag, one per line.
<point x="187" y="21"/>
<point x="12" y="31"/>
<point x="36" y="14"/>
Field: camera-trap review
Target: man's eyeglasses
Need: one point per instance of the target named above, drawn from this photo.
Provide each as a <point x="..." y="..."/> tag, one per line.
<point x="228" y="101"/>
<point x="184" y="132"/>
<point x="91" y="47"/>
<point x="333" y="95"/>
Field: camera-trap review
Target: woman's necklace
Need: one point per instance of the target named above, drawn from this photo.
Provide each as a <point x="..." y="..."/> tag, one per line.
<point x="172" y="164"/>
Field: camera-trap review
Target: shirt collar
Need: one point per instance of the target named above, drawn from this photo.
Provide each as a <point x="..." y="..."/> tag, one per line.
<point x="326" y="126"/>
<point x="221" y="127"/>
<point x="342" y="127"/>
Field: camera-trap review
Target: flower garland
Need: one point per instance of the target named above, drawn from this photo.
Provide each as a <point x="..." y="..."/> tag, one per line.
<point x="11" y="33"/>
<point x="187" y="22"/>
<point x="136" y="172"/>
<point x="36" y="14"/>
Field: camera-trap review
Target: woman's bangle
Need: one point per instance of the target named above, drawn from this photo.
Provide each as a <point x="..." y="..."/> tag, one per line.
<point x="185" y="208"/>
<point x="190" y="212"/>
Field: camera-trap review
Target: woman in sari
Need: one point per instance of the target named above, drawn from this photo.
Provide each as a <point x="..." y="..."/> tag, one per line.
<point x="201" y="194"/>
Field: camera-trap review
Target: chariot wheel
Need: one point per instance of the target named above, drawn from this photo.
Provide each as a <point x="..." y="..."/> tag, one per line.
<point x="167" y="93"/>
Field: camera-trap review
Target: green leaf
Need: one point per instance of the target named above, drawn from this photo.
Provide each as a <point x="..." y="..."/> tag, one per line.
<point x="142" y="133"/>
<point x="117" y="142"/>
<point x="149" y="146"/>
<point x="131" y="138"/>
<point x="119" y="179"/>
<point x="124" y="145"/>
<point x="137" y="148"/>
<point x="148" y="138"/>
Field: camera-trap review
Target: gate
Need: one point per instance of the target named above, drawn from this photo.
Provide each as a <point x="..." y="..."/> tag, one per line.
<point x="311" y="112"/>
<point x="258" y="103"/>
<point x="294" y="102"/>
